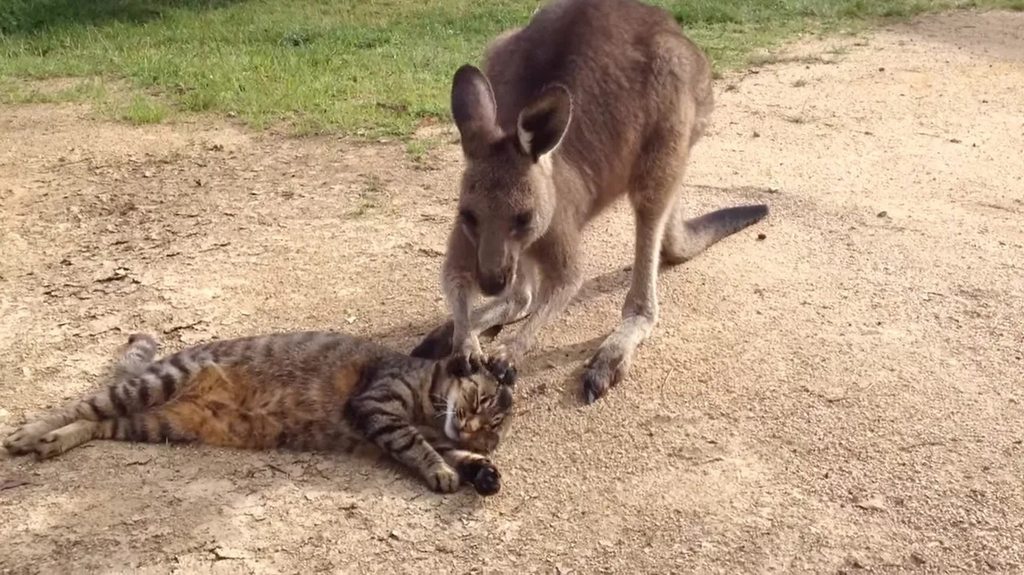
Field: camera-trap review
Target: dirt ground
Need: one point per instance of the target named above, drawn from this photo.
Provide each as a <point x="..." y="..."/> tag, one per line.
<point x="841" y="396"/>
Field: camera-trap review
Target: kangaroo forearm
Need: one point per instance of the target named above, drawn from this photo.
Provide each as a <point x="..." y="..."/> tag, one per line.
<point x="499" y="312"/>
<point x="545" y="312"/>
<point x="459" y="296"/>
<point x="510" y="308"/>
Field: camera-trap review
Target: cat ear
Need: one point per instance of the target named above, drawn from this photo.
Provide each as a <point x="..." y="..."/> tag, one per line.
<point x="505" y="397"/>
<point x="438" y="379"/>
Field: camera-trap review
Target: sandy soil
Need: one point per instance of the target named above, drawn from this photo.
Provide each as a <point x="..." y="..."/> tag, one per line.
<point x="843" y="395"/>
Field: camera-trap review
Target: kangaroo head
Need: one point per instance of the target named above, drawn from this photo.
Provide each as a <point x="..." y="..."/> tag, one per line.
<point x="507" y="195"/>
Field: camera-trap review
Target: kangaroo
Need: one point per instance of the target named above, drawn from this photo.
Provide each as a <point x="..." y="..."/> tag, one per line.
<point x="592" y="100"/>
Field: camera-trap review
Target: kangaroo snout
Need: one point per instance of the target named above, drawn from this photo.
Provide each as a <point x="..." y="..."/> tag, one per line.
<point x="494" y="282"/>
<point x="495" y="263"/>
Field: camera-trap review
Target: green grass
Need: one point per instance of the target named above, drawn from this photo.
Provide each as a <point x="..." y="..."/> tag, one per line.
<point x="362" y="67"/>
<point x="419" y="149"/>
<point x="142" y="109"/>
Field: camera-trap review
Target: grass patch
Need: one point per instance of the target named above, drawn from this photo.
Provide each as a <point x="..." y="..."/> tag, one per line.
<point x="362" y="67"/>
<point x="419" y="149"/>
<point x="371" y="196"/>
<point x="140" y="109"/>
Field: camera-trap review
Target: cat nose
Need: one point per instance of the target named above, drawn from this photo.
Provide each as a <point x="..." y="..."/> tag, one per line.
<point x="490" y="441"/>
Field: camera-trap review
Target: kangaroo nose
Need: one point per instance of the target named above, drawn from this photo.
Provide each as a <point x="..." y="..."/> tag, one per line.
<point x="493" y="283"/>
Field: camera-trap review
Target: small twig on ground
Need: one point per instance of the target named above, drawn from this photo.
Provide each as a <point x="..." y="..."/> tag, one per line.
<point x="273" y="467"/>
<point x="661" y="390"/>
<point x="119" y="274"/>
<point x="921" y="444"/>
<point x="215" y="246"/>
<point x="710" y="460"/>
<point x="12" y="483"/>
<point x="178" y="328"/>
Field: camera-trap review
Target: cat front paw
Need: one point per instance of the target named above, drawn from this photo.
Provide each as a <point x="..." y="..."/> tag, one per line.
<point x="488" y="479"/>
<point x="443" y="479"/>
<point x="484" y="476"/>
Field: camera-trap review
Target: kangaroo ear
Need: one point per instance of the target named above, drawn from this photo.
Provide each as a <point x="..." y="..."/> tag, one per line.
<point x="473" y="108"/>
<point x="543" y="123"/>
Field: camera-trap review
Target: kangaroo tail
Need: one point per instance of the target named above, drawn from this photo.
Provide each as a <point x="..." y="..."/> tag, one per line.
<point x="700" y="233"/>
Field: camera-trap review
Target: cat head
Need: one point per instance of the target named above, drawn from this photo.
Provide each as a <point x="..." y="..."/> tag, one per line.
<point x="472" y="410"/>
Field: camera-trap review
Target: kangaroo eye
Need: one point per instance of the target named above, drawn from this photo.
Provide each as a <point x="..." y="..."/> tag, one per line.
<point x="523" y="220"/>
<point x="467" y="218"/>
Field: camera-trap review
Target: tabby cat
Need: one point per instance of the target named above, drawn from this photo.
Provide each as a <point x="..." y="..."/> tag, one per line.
<point x="306" y="390"/>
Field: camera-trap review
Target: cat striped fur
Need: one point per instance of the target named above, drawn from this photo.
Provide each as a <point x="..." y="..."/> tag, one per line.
<point x="300" y="390"/>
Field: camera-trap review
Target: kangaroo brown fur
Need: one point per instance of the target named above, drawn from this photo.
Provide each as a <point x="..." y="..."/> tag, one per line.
<point x="592" y="100"/>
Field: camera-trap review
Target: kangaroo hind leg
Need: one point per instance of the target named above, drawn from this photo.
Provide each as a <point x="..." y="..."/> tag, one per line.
<point x="654" y="191"/>
<point x="639" y="312"/>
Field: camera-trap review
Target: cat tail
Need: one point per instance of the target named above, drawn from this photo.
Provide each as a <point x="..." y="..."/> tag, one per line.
<point x="141" y="383"/>
<point x="137" y="356"/>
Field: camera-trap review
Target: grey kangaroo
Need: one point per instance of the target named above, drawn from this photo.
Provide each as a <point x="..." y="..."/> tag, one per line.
<point x="592" y="100"/>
